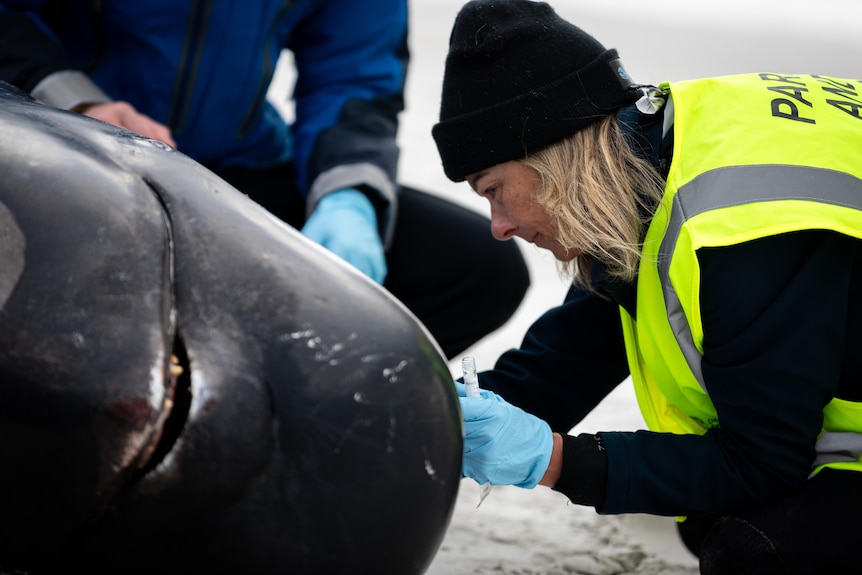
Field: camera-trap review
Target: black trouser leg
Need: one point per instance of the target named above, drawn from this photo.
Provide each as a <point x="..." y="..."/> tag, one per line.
<point x="273" y="188"/>
<point x="449" y="270"/>
<point x="443" y="265"/>
<point x="814" y="531"/>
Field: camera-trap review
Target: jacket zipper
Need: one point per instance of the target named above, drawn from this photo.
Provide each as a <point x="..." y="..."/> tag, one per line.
<point x="266" y="74"/>
<point x="189" y="65"/>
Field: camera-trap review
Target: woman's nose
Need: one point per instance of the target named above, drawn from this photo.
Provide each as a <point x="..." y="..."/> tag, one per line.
<point x="502" y="228"/>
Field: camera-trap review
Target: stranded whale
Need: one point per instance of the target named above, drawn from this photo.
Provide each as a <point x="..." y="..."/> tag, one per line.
<point x="189" y="385"/>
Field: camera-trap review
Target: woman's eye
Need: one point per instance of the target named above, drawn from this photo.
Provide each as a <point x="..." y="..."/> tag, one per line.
<point x="489" y="192"/>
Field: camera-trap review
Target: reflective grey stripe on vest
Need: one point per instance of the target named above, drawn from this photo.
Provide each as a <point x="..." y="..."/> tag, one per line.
<point x="838" y="446"/>
<point x="734" y="186"/>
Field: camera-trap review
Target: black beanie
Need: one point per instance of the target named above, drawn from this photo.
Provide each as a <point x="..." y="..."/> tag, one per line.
<point x="519" y="78"/>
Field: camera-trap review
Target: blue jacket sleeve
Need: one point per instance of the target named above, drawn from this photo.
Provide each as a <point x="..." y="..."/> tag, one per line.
<point x="351" y="59"/>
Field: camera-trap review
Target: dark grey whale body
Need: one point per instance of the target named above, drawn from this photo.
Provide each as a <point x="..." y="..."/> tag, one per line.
<point x="314" y="427"/>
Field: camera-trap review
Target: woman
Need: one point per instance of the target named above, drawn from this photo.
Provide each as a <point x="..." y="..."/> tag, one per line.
<point x="712" y="230"/>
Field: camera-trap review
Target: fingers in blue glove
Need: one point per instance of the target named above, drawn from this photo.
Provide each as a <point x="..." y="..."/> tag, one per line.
<point x="345" y="223"/>
<point x="503" y="444"/>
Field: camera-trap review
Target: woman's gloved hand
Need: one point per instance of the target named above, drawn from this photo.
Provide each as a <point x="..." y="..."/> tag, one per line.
<point x="345" y="223"/>
<point x="503" y="444"/>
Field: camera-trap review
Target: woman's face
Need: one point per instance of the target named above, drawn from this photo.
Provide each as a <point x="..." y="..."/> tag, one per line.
<point x="510" y="188"/>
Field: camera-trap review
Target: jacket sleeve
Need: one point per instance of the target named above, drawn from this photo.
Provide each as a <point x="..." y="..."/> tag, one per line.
<point x="33" y="60"/>
<point x="776" y="337"/>
<point x="351" y="59"/>
<point x="571" y="358"/>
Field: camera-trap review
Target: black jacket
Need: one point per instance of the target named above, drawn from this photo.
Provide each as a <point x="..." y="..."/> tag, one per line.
<point x="780" y="318"/>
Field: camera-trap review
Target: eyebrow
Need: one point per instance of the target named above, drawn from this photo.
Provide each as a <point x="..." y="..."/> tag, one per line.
<point x="473" y="180"/>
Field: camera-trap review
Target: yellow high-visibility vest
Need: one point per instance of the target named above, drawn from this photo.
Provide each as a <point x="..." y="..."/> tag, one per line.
<point x="755" y="155"/>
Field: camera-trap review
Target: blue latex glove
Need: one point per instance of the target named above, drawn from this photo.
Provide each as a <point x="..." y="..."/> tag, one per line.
<point x="503" y="444"/>
<point x="345" y="223"/>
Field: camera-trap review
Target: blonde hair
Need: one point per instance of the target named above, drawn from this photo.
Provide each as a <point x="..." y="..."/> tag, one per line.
<point x="599" y="195"/>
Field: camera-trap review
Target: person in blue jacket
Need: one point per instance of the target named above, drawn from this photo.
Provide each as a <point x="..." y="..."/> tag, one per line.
<point x="196" y="75"/>
<point x="713" y="232"/>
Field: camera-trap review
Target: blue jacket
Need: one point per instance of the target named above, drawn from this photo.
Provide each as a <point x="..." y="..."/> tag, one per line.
<point x="203" y="68"/>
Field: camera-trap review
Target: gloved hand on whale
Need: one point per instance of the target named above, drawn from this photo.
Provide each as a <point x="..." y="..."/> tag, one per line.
<point x="345" y="223"/>
<point x="503" y="444"/>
